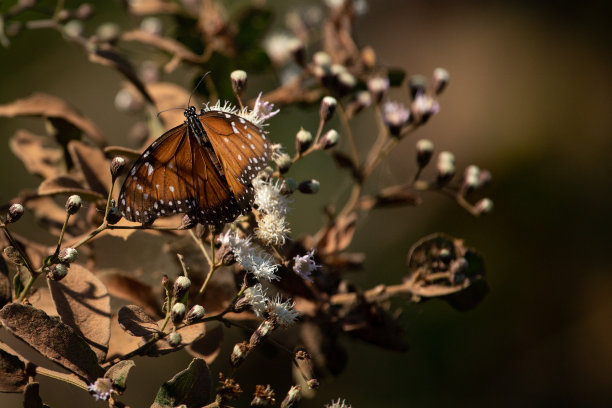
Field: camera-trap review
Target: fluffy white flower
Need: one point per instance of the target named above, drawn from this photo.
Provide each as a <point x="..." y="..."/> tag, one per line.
<point x="256" y="296"/>
<point x="272" y="229"/>
<point x="283" y="312"/>
<point x="250" y="257"/>
<point x="338" y="404"/>
<point x="304" y="265"/>
<point x="101" y="389"/>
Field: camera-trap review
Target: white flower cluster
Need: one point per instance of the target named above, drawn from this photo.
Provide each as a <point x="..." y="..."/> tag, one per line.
<point x="250" y="256"/>
<point x="272" y="227"/>
<point x="281" y="312"/>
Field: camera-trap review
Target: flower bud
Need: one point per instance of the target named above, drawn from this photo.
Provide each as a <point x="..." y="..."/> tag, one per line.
<point x="446" y="167"/>
<point x="108" y="32"/>
<point x="117" y="165"/>
<point x="440" y="80"/>
<point x="14" y="213"/>
<point x="181" y="286"/>
<point x="293" y="397"/>
<point x="322" y="59"/>
<point x="346" y="83"/>
<point x="396" y="116"/>
<point x="328" y="107"/>
<point x="484" y="206"/>
<point x="304" y="362"/>
<point x="424" y="148"/>
<point x="361" y="100"/>
<point x="239" y="81"/>
<point x="329" y="139"/>
<point x="484" y="179"/>
<point x="84" y="11"/>
<point x="471" y="178"/>
<point x="423" y="107"/>
<point x="57" y="272"/>
<point x="114" y="215"/>
<point x="196" y="313"/>
<point x="378" y="87"/>
<point x="289" y="185"/>
<point x="265" y="328"/>
<point x="73" y="204"/>
<point x="74" y="29"/>
<point x="283" y="162"/>
<point x="178" y="313"/>
<point x="68" y="255"/>
<point x="417" y="85"/>
<point x="303" y="140"/>
<point x="239" y="353"/>
<point x="368" y="56"/>
<point x="309" y="187"/>
<point x="151" y="25"/>
<point x="174" y="339"/>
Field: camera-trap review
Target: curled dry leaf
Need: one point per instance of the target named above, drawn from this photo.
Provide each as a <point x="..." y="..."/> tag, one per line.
<point x="37" y="157"/>
<point x="40" y="104"/>
<point x="190" y="387"/>
<point x="13" y="373"/>
<point x="66" y="185"/>
<point x="83" y="303"/>
<point x="118" y="374"/>
<point x="51" y="338"/>
<point x="441" y="266"/>
<point x="208" y="346"/>
<point x="337" y="236"/>
<point x="372" y="323"/>
<point x="130" y="289"/>
<point x="127" y="153"/>
<point x="136" y="321"/>
<point x="92" y="164"/>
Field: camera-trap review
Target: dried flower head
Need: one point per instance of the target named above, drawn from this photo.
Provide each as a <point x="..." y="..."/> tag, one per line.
<point x="101" y="389"/>
<point x="282" y="312"/>
<point x="305" y="265"/>
<point x="395" y="115"/>
<point x="378" y="87"/>
<point x="263" y="396"/>
<point x="338" y="404"/>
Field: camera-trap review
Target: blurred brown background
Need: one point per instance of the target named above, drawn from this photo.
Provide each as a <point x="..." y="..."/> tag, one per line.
<point x="529" y="99"/>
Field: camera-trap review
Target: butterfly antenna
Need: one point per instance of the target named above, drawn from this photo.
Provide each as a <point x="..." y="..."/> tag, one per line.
<point x="165" y="110"/>
<point x="196" y="87"/>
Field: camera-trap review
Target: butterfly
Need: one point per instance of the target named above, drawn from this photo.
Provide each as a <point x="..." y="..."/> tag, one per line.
<point x="202" y="168"/>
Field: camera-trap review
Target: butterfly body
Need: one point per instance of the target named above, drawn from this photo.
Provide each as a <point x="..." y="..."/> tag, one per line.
<point x="202" y="168"/>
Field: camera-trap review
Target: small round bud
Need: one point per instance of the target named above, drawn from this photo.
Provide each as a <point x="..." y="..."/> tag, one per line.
<point x="117" y="165"/>
<point x="328" y="107"/>
<point x="283" y="162"/>
<point x="484" y="179"/>
<point x="196" y="313"/>
<point x="74" y="29"/>
<point x="396" y="116"/>
<point x="293" y="397"/>
<point x="127" y="102"/>
<point x="14" y="213"/>
<point x="114" y="215"/>
<point x="84" y="11"/>
<point x="471" y="178"/>
<point x="108" y="32"/>
<point x="239" y="81"/>
<point x="346" y="82"/>
<point x="68" y="255"/>
<point x="440" y="80"/>
<point x="446" y="167"/>
<point x="309" y="187"/>
<point x="181" y="286"/>
<point x="322" y="59"/>
<point x="57" y="272"/>
<point x="151" y="25"/>
<point x="424" y="148"/>
<point x="417" y="85"/>
<point x="297" y="49"/>
<point x="289" y="185"/>
<point x="484" y="206"/>
<point x="303" y="140"/>
<point x="378" y="87"/>
<point x="165" y="282"/>
<point x="329" y="139"/>
<point x="73" y="204"/>
<point x="265" y="328"/>
<point x="178" y="313"/>
<point x="174" y="339"/>
<point x="423" y="107"/>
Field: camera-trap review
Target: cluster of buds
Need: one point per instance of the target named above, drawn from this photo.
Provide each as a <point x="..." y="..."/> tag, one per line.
<point x="334" y="77"/>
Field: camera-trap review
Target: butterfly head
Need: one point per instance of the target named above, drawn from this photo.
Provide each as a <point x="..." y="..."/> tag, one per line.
<point x="190" y="111"/>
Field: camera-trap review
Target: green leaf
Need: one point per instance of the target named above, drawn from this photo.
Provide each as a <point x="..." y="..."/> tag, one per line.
<point x="118" y="374"/>
<point x="190" y="387"/>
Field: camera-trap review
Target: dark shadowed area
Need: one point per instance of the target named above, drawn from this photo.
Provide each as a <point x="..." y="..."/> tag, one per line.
<point x="529" y="99"/>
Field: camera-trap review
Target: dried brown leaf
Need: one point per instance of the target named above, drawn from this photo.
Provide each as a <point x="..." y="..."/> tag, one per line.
<point x="5" y="283"/>
<point x="35" y="251"/>
<point x="83" y="303"/>
<point x="337" y="236"/>
<point x="130" y="289"/>
<point x="127" y="153"/>
<point x="51" y="338"/>
<point x="13" y="373"/>
<point x="93" y="165"/>
<point x="209" y="346"/>
<point x="121" y="342"/>
<point x="40" y="104"/>
<point x="167" y="96"/>
<point x="147" y="7"/>
<point x="118" y="374"/>
<point x="134" y="320"/>
<point x="66" y="185"/>
<point x="36" y="156"/>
